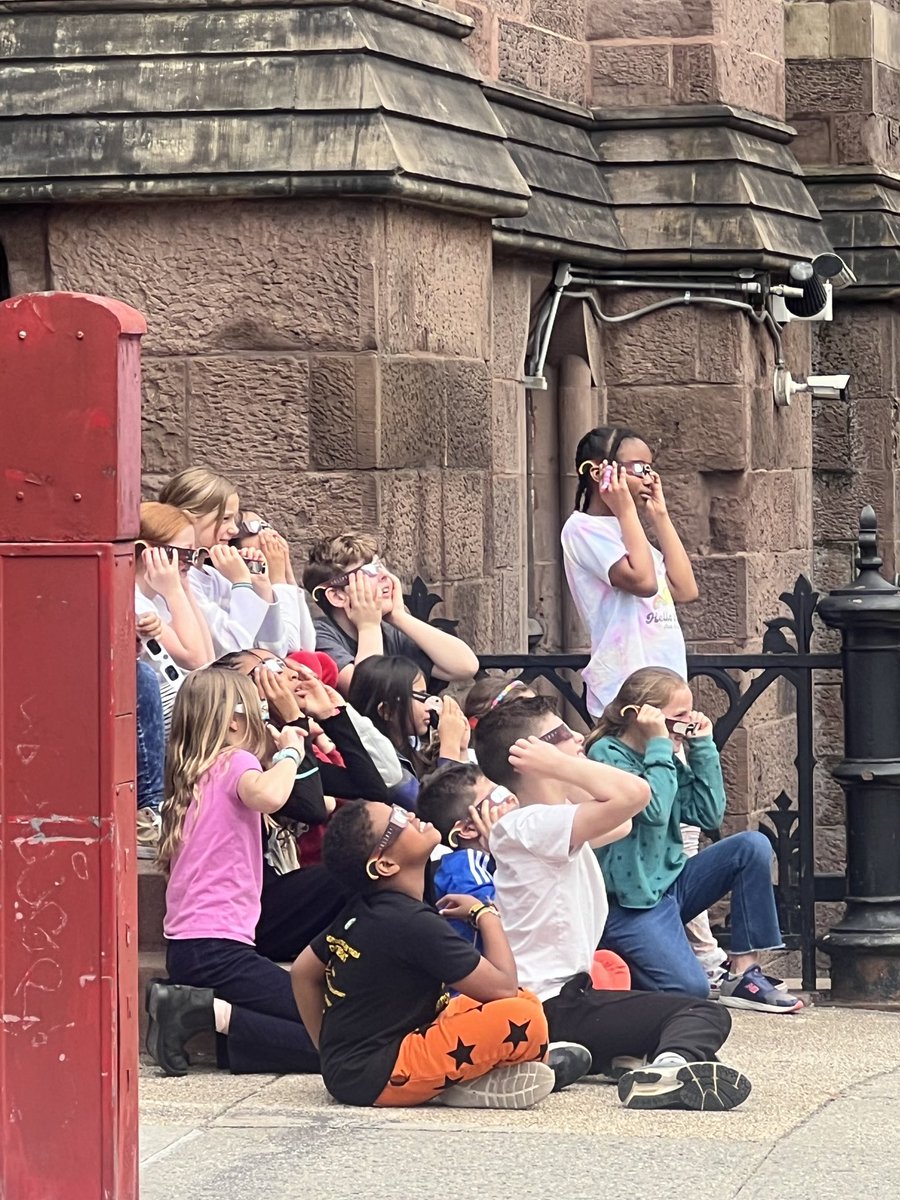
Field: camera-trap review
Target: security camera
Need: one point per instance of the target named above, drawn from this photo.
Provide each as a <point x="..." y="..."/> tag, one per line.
<point x="829" y="387"/>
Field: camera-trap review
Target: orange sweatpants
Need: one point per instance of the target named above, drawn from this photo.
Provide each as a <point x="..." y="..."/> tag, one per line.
<point x="464" y="1042"/>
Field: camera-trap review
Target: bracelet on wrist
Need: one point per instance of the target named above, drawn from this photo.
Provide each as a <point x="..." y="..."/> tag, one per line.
<point x="286" y="753"/>
<point x="478" y="911"/>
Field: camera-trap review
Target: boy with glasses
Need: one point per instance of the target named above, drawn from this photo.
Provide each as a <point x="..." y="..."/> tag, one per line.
<point x="552" y="894"/>
<point x="372" y="989"/>
<point x="363" y="613"/>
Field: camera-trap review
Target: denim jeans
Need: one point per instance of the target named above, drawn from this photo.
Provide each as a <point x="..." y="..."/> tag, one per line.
<point x="151" y="739"/>
<point x="653" y="941"/>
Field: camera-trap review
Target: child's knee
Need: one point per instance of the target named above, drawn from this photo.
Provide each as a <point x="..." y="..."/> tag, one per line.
<point x="756" y="849"/>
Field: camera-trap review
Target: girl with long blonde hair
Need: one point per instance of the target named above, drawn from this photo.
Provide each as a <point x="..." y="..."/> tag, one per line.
<point x="652" y="729"/>
<point x="216" y="793"/>
<point x="241" y="605"/>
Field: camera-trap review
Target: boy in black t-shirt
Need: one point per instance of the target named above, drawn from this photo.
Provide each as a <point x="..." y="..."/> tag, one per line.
<point x="372" y="989"/>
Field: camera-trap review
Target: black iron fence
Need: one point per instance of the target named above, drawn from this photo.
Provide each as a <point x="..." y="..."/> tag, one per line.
<point x="742" y="679"/>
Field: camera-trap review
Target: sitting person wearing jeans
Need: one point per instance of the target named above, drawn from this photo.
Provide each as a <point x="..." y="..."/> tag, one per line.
<point x="654" y="887"/>
<point x="363" y="613"/>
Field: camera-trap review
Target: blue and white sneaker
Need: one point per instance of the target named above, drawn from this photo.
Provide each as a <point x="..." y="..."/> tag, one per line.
<point x="754" y="990"/>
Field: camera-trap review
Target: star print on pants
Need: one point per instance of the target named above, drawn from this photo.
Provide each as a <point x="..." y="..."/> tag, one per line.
<point x="449" y="1082"/>
<point x="517" y="1033"/>
<point x="462" y="1053"/>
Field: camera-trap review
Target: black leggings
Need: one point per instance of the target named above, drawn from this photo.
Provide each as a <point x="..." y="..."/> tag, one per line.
<point x="636" y="1024"/>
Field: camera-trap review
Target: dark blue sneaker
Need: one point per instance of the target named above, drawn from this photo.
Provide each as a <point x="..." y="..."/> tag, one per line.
<point x="754" y="990"/>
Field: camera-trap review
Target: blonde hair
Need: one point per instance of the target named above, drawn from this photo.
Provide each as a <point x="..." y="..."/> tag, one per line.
<point x="198" y="492"/>
<point x="161" y="522"/>
<point x="649" y="685"/>
<point x="204" y="709"/>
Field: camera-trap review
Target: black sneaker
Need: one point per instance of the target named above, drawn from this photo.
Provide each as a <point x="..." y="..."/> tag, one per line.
<point x="569" y="1062"/>
<point x="177" y="1013"/>
<point x="699" y="1086"/>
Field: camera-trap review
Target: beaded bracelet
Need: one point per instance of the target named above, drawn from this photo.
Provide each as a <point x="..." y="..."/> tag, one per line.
<point x="479" y="910"/>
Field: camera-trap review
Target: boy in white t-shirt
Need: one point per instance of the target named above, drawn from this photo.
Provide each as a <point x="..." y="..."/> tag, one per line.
<point x="551" y="893"/>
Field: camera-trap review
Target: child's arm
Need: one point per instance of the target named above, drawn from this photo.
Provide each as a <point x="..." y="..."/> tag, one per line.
<point x="657" y="768"/>
<point x="636" y="571"/>
<point x="679" y="571"/>
<point x="451" y="657"/>
<point x="495" y="977"/>
<point x="308" y="983"/>
<point x="184" y="638"/>
<point x="706" y="806"/>
<point x="364" y="612"/>
<point x="617" y="795"/>
<point x="268" y="791"/>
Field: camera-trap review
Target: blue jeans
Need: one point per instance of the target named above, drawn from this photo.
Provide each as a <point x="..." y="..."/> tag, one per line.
<point x="653" y="941"/>
<point x="151" y="739"/>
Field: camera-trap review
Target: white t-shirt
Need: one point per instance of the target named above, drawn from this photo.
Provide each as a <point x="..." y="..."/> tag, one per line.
<point x="151" y="604"/>
<point x="552" y="900"/>
<point x="627" y="632"/>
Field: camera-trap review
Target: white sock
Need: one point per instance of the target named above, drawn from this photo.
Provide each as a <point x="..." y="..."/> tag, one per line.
<point x="222" y="1010"/>
<point x="669" y="1059"/>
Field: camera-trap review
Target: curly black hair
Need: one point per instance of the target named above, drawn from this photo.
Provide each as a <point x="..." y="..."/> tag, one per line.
<point x="348" y="842"/>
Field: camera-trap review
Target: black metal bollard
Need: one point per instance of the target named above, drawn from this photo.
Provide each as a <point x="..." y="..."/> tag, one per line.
<point x="865" y="946"/>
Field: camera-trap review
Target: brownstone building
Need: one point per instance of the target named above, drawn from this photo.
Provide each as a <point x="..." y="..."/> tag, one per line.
<point x="340" y="218"/>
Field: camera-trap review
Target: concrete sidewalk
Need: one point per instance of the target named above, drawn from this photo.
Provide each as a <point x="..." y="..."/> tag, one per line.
<point x="822" y="1122"/>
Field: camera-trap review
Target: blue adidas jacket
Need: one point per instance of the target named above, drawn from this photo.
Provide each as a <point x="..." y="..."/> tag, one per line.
<point x="465" y="873"/>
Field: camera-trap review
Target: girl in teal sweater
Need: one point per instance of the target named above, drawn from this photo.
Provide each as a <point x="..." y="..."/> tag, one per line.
<point x="651" y="729"/>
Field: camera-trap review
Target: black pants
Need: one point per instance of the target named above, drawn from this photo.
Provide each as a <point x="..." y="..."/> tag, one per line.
<point x="613" y="1024"/>
<point x="295" y="908"/>
<point x="266" y="1035"/>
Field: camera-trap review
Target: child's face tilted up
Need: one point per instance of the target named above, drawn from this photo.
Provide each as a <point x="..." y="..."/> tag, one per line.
<point x="403" y="840"/>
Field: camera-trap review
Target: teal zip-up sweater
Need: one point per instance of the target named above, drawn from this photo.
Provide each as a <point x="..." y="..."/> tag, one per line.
<point x="640" y="868"/>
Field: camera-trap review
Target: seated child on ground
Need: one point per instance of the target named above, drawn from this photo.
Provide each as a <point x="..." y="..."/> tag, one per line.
<point x="372" y="989"/>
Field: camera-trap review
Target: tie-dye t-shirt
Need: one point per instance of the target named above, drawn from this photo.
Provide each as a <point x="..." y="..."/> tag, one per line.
<point x="627" y="632"/>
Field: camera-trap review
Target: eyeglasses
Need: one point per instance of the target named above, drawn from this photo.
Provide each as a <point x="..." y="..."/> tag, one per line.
<point x="496" y="796"/>
<point x="560" y="733"/>
<point x="422" y="697"/>
<point x="373" y="569"/>
<point x="252" y="528"/>
<point x="637" y="469"/>
<point x="680" y="728"/>
<point x="398" y="821"/>
<point x="270" y="662"/>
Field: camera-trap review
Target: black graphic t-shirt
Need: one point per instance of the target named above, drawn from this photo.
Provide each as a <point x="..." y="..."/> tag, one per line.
<point x="389" y="958"/>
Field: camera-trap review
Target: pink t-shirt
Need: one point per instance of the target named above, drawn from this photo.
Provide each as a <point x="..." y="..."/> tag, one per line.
<point x="215" y="881"/>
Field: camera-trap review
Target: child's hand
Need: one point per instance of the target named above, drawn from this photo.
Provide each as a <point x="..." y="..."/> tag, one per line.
<point x="161" y="571"/>
<point x="277" y="692"/>
<point x="289" y="738"/>
<point x="484" y="816"/>
<point x="650" y="723"/>
<point x="703" y="726"/>
<point x="617" y="496"/>
<point x="394" y="606"/>
<point x="363" y="601"/>
<point x="149" y="625"/>
<point x="457" y="908"/>
<point x="275" y="552"/>
<point x="531" y="756"/>
<point x="655" y="502"/>
<point x="453" y="730"/>
<point x="228" y="562"/>
<point x="312" y="693"/>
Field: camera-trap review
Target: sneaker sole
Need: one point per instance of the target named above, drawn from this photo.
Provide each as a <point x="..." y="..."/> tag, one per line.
<point x="755" y="1006"/>
<point x="699" y="1087"/>
<point x="519" y="1086"/>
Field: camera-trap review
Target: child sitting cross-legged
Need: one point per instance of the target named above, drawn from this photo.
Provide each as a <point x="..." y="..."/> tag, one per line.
<point x="373" y="988"/>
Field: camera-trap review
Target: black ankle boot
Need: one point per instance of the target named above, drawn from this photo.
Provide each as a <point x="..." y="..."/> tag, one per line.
<point x="176" y="1013"/>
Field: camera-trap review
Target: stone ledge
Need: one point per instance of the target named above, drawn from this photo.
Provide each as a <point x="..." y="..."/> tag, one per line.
<point x="860" y="210"/>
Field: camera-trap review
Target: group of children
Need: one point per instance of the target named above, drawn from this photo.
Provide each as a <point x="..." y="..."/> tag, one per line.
<point x="497" y="906"/>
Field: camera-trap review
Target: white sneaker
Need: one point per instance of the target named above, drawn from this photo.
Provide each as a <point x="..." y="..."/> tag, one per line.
<point x="706" y="1086"/>
<point x="148" y="826"/>
<point x="521" y="1085"/>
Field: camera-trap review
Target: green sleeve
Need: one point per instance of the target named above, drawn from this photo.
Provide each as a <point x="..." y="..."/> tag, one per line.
<point x="703" y="803"/>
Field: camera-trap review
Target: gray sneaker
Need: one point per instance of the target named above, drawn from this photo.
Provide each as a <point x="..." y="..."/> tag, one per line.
<point x="699" y="1086"/>
<point x="520" y="1086"/>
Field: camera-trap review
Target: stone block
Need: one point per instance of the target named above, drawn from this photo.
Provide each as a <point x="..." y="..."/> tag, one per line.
<point x="806" y="30"/>
<point x="851" y="32"/>
<point x="466" y="505"/>
<point x="509" y="612"/>
<point x="817" y="85"/>
<point x="624" y="75"/>
<point x="614" y="20"/>
<point x="735" y="772"/>
<point x="838" y="500"/>
<point x="688" y="503"/>
<point x="812" y="145"/>
<point x="659" y="348"/>
<point x="707" y="431"/>
<point x="860" y="139"/>
<point x="722" y="348"/>
<point x="566" y="17"/>
<point x="757" y="26"/>
<point x="694" y="74"/>
<point x="306" y="505"/>
<point x="510" y="310"/>
<point x="773" y="747"/>
<point x="542" y="61"/>
<point x="164" y="423"/>
<point x="471" y="602"/>
<point x="238" y="276"/>
<point x="831" y="800"/>
<point x="833" y="565"/>
<point x="468" y="414"/>
<point x="508" y="427"/>
<point x="859" y="340"/>
<point x="249" y="413"/>
<point x="507" y="521"/>
<point x="435" y="293"/>
<point x="23" y="238"/>
<point x="547" y="591"/>
<point x="829" y="731"/>
<point x="410" y="516"/>
<point x="750" y="81"/>
<point x="758" y="510"/>
<point x="721" y="612"/>
<point x="831" y="435"/>
<point x="886" y="35"/>
<point x="780" y="437"/>
<point x="413" y="392"/>
<point x="343" y="411"/>
<point x="481" y="42"/>
<point x="770" y="573"/>
<point x="831" y="848"/>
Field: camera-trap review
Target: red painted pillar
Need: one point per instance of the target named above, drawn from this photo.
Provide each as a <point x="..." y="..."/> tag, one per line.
<point x="69" y="495"/>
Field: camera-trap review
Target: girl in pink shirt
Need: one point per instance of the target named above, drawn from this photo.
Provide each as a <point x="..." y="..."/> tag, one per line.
<point x="216" y="792"/>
